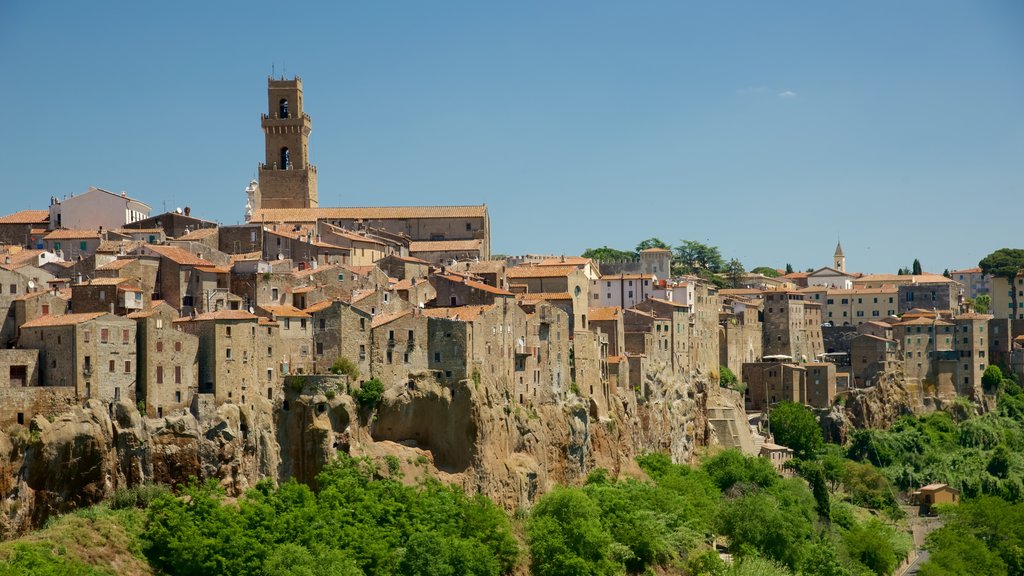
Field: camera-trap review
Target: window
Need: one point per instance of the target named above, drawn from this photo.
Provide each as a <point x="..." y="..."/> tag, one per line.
<point x="437" y="356"/>
<point x="282" y="108"/>
<point x="177" y="379"/>
<point x="270" y="351"/>
<point x="389" y="356"/>
<point x="319" y="348"/>
<point x="362" y="323"/>
<point x="323" y="324"/>
<point x="287" y="323"/>
<point x="104" y="335"/>
<point x="362" y="352"/>
<point x="159" y="345"/>
<point x="302" y="323"/>
<point x="159" y="374"/>
<point x="273" y="293"/>
<point x="177" y="346"/>
<point x="469" y="227"/>
<point x="227" y="353"/>
<point x="127" y="367"/>
<point x="124" y="336"/>
<point x="87" y="335"/>
<point x="286" y="160"/>
<point x="227" y="331"/>
<point x="81" y="246"/>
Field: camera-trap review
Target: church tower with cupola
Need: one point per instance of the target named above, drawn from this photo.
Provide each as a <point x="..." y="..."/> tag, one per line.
<point x="286" y="178"/>
<point x="839" y="259"/>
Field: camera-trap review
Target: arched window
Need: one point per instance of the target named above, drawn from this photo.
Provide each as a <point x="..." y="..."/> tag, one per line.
<point x="286" y="161"/>
<point x="284" y="107"/>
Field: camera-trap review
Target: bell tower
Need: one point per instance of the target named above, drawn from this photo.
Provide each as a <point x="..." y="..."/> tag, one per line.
<point x="840" y="260"/>
<point x="286" y="178"/>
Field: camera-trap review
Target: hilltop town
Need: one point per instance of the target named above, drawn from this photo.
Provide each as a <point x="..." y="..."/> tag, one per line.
<point x="153" y="347"/>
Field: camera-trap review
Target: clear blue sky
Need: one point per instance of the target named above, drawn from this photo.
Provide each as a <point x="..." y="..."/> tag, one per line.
<point x="766" y="128"/>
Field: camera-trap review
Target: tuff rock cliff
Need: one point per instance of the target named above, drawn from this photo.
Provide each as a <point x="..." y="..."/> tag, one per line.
<point x="461" y="433"/>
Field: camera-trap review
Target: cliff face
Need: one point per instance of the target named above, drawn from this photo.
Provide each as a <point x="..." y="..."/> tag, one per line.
<point x="460" y="433"/>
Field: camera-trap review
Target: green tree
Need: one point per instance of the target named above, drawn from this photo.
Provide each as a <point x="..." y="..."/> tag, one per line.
<point x="992" y="379"/>
<point x="876" y="545"/>
<point x="652" y="243"/>
<point x="695" y="257"/>
<point x="731" y="467"/>
<point x="982" y="303"/>
<point x="369" y="394"/>
<point x="726" y="377"/>
<point x="795" y="426"/>
<point x="1005" y="263"/>
<point x="606" y="254"/>
<point x="346" y="367"/>
<point x="946" y="273"/>
<point x="734" y="271"/>
<point x="766" y="271"/>
<point x="916" y="267"/>
<point x="789" y="268"/>
<point x="566" y="536"/>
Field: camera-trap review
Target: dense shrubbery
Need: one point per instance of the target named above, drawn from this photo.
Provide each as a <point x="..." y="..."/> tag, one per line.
<point x="358" y="522"/>
<point x="369" y="394"/>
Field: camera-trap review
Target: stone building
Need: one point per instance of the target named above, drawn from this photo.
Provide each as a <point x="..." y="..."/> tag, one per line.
<point x="73" y="244"/>
<point x="622" y="290"/>
<point x="174" y="224"/>
<point x="1003" y="300"/>
<point x="295" y="337"/>
<point x="608" y="321"/>
<point x="792" y="326"/>
<point x="94" y="352"/>
<point x="555" y="279"/>
<point x="974" y="281"/>
<point x="286" y="177"/>
<point x="452" y="290"/>
<point x="740" y="338"/>
<point x="168" y="373"/>
<point x="115" y="295"/>
<point x="237" y="355"/>
<point x="946" y="296"/>
<point x="398" y="346"/>
<point x="404" y="267"/>
<point x="768" y="383"/>
<point x="22" y="397"/>
<point x="340" y="331"/>
<point x="870" y="356"/>
<point x="15" y="282"/>
<point x="24" y="227"/>
<point x="446" y="252"/>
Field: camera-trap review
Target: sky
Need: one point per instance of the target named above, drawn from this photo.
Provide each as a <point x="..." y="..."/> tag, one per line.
<point x="768" y="129"/>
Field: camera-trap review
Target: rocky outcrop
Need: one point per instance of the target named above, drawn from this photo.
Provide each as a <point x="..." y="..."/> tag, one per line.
<point x="82" y="456"/>
<point x="460" y="432"/>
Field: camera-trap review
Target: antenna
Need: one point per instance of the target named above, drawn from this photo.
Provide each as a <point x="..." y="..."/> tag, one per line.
<point x="272" y="70"/>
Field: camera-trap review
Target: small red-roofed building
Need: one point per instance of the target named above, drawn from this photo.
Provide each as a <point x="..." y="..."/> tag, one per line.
<point x="24" y="228"/>
<point x="168" y="375"/>
<point x="295" y="335"/>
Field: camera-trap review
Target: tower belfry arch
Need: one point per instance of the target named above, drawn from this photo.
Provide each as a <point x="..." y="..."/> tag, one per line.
<point x="286" y="178"/>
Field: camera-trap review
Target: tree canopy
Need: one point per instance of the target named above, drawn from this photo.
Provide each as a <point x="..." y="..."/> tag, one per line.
<point x="695" y="257"/>
<point x="606" y="254"/>
<point x="652" y="243"/>
<point x="795" y="426"/>
<point x="766" y="271"/>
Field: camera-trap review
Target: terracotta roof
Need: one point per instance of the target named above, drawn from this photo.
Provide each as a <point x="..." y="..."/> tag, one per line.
<point x="117" y="264"/>
<point x="72" y="234"/>
<point x="103" y="282"/>
<point x="538" y="296"/>
<point x="445" y="245"/>
<point x="214" y="269"/>
<point x="358" y="295"/>
<point x="646" y="250"/>
<point x="408" y="259"/>
<point x="179" y="256"/>
<point x="303" y="289"/>
<point x="352" y="236"/>
<point x="463" y="313"/>
<point x="285" y="311"/>
<point x="873" y="337"/>
<point x="938" y="486"/>
<point x="408" y="284"/>
<point x="321" y="305"/>
<point x="615" y="359"/>
<point x="382" y="319"/>
<point x="62" y="320"/>
<point x="22" y="258"/>
<point x="361" y="270"/>
<point x="199" y="234"/>
<point x="221" y="315"/>
<point x="925" y="322"/>
<point x="796" y="275"/>
<point x="367" y="213"/>
<point x="966" y="271"/>
<point x="540" y="271"/>
<point x="669" y="303"/>
<point x="904" y="278"/>
<point x="605" y="314"/>
<point x="473" y="284"/>
<point x="138" y="230"/>
<point x="26" y="217"/>
<point x="607" y="277"/>
<point x="246" y="256"/>
<point x="154" y="307"/>
<point x="310" y="271"/>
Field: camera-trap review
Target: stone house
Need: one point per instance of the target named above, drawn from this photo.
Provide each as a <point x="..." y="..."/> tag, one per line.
<point x="542" y="371"/>
<point x="115" y="295"/>
<point x="237" y="360"/>
<point x="416" y="292"/>
<point x="340" y="331"/>
<point x="94" y="352"/>
<point x="870" y="356"/>
<point x="15" y="282"/>
<point x="36" y="304"/>
<point x="362" y="249"/>
<point x="792" y="326"/>
<point x="609" y="321"/>
<point x="141" y="272"/>
<point x="946" y="296"/>
<point x="403" y="267"/>
<point x="590" y="369"/>
<point x="24" y="227"/>
<point x="452" y="290"/>
<point x="398" y="346"/>
<point x="22" y="397"/>
<point x="740" y="334"/>
<point x="675" y="333"/>
<point x="831" y="278"/>
<point x="769" y="383"/>
<point x="295" y="337"/>
<point x="974" y="281"/>
<point x="168" y="372"/>
<point x="556" y="279"/>
<point x="175" y="224"/>
<point x="1002" y="297"/>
